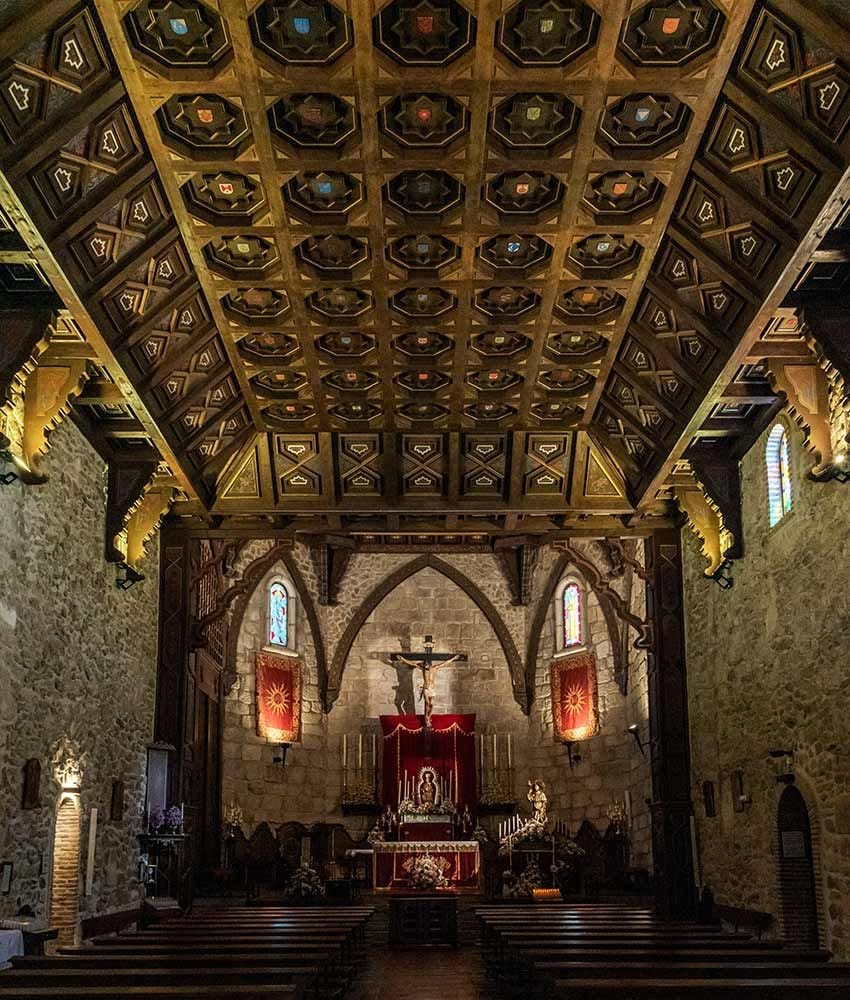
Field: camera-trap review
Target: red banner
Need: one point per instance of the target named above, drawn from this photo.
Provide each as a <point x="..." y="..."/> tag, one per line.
<point x="575" y="702"/>
<point x="278" y="697"/>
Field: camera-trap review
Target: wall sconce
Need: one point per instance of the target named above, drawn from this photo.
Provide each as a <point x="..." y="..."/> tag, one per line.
<point x="740" y="800"/>
<point x="784" y="762"/>
<point x="574" y="756"/>
<point x="127" y="577"/>
<point x="722" y="576"/>
<point x="282" y="759"/>
<point x="7" y="476"/>
<point x="634" y="729"/>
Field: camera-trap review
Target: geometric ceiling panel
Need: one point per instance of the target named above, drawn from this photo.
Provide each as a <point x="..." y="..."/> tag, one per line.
<point x="312" y="121"/>
<point x="299" y="33"/>
<point x="180" y="38"/>
<point x="552" y="33"/>
<point x="204" y="126"/>
<point x="224" y="198"/>
<point x="423" y="121"/>
<point x="341" y="221"/>
<point x="618" y="197"/>
<point x="527" y="195"/>
<point x="545" y="123"/>
<point x="515" y="255"/>
<point x="423" y="32"/>
<point x="642" y="125"/>
<point x="322" y="196"/>
<point x="671" y="34"/>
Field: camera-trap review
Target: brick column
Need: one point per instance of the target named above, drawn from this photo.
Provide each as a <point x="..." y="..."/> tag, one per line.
<point x="668" y="728"/>
<point x="65" y="871"/>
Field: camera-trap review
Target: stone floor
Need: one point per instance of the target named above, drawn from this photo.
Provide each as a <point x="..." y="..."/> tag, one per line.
<point x="426" y="974"/>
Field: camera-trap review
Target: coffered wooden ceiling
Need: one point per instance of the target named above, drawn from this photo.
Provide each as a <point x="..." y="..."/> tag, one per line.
<point x="425" y="256"/>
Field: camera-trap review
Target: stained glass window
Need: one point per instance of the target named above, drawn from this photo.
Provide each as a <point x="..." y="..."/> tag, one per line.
<point x="778" y="474"/>
<point x="572" y="615"/>
<point x="278" y="614"/>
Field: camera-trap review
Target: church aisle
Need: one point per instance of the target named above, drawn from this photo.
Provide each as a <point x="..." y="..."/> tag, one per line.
<point x="422" y="975"/>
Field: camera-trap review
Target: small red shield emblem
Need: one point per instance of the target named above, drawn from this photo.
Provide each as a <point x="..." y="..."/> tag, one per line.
<point x="670" y="25"/>
<point x="493" y="376"/>
<point x="422" y="376"/>
<point x="423" y="114"/>
<point x="522" y="187"/>
<point x="225" y="187"/>
<point x="424" y="24"/>
<point x="619" y="188"/>
<point x="205" y="115"/>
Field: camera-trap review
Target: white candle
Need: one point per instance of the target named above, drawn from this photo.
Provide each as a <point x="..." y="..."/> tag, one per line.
<point x="481" y="754"/>
<point x="509" y="751"/>
<point x="399" y="791"/>
<point x="360" y="751"/>
<point x="495" y="753"/>
<point x="344" y="751"/>
<point x="374" y="752"/>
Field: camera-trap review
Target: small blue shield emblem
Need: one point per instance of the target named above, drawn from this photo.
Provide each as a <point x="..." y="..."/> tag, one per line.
<point x="324" y="187"/>
<point x="178" y="25"/>
<point x="302" y="25"/>
<point x="513" y="247"/>
<point x="641" y="115"/>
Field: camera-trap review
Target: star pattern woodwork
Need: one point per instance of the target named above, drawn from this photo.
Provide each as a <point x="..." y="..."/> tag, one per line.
<point x="359" y="222"/>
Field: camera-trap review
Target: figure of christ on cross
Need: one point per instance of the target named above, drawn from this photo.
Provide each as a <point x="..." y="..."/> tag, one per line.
<point x="429" y="663"/>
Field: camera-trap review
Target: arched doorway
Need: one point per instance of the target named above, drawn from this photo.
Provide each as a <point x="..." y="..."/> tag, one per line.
<point x="797" y="871"/>
<point x="65" y="871"/>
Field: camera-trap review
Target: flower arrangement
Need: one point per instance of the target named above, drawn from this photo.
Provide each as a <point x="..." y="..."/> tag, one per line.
<point x="304" y="886"/>
<point x="410" y="808"/>
<point x="480" y="834"/>
<point x="424" y="872"/>
<point x="166" y="821"/>
<point x="531" y="829"/>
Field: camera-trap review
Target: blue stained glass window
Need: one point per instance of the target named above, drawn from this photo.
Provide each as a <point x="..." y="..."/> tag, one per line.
<point x="778" y="474"/>
<point x="572" y="615"/>
<point x="278" y="615"/>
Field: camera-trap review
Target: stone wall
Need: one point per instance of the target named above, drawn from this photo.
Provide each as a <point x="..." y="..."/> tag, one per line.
<point x="769" y="668"/>
<point x="428" y="602"/>
<point x="77" y="675"/>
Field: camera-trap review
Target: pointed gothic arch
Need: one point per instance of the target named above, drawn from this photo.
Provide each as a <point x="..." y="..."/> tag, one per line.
<point x="252" y="577"/>
<point x="389" y="584"/>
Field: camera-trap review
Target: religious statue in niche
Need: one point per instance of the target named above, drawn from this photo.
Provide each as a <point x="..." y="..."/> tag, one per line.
<point x="539" y="802"/>
<point x="428" y="792"/>
<point x="429" y="663"/>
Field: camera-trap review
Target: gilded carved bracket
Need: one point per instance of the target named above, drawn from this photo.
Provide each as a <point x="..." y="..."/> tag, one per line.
<point x="518" y="559"/>
<point x="330" y="556"/>
<point x="125" y="491"/>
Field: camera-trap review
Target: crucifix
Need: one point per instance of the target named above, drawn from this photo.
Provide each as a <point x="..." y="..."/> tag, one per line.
<point x="429" y="663"/>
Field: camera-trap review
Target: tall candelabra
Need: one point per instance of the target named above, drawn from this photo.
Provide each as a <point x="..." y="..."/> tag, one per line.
<point x="359" y="769"/>
<point x="495" y="768"/>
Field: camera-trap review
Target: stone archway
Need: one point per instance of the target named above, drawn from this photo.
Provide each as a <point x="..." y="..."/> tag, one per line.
<point x="65" y="869"/>
<point x="797" y="884"/>
<point x="386" y="586"/>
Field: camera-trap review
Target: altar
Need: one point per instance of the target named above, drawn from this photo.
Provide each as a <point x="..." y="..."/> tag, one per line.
<point x="459" y="859"/>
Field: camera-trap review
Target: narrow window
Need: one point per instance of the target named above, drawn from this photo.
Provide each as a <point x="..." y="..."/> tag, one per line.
<point x="278" y="614"/>
<point x="572" y="615"/>
<point x="778" y="474"/>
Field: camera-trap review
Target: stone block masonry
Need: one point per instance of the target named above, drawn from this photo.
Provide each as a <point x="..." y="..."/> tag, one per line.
<point x="78" y="663"/>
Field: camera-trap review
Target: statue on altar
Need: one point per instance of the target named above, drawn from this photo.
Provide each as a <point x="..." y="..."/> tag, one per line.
<point x="428" y="792"/>
<point x="539" y="801"/>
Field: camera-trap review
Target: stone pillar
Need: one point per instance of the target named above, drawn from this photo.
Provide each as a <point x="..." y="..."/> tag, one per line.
<point x="668" y="728"/>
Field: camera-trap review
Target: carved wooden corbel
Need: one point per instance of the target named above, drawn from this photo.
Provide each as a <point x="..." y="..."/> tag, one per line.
<point x="806" y="389"/>
<point x="518" y="560"/>
<point x="25" y="338"/>
<point x="49" y="390"/>
<point x="126" y="484"/>
<point x="145" y="520"/>
<point x="705" y="521"/>
<point x="330" y="556"/>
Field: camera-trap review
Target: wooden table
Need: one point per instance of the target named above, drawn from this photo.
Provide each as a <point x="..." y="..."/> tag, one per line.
<point x="423" y="920"/>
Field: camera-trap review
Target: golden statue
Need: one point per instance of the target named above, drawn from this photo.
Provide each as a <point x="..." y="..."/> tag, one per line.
<point x="428" y="791"/>
<point x="539" y="801"/>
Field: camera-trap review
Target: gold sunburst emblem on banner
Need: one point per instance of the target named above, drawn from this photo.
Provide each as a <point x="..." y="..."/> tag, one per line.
<point x="277" y="699"/>
<point x="575" y="700"/>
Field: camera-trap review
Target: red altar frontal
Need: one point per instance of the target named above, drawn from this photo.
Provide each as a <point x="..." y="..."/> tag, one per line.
<point x="459" y="859"/>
